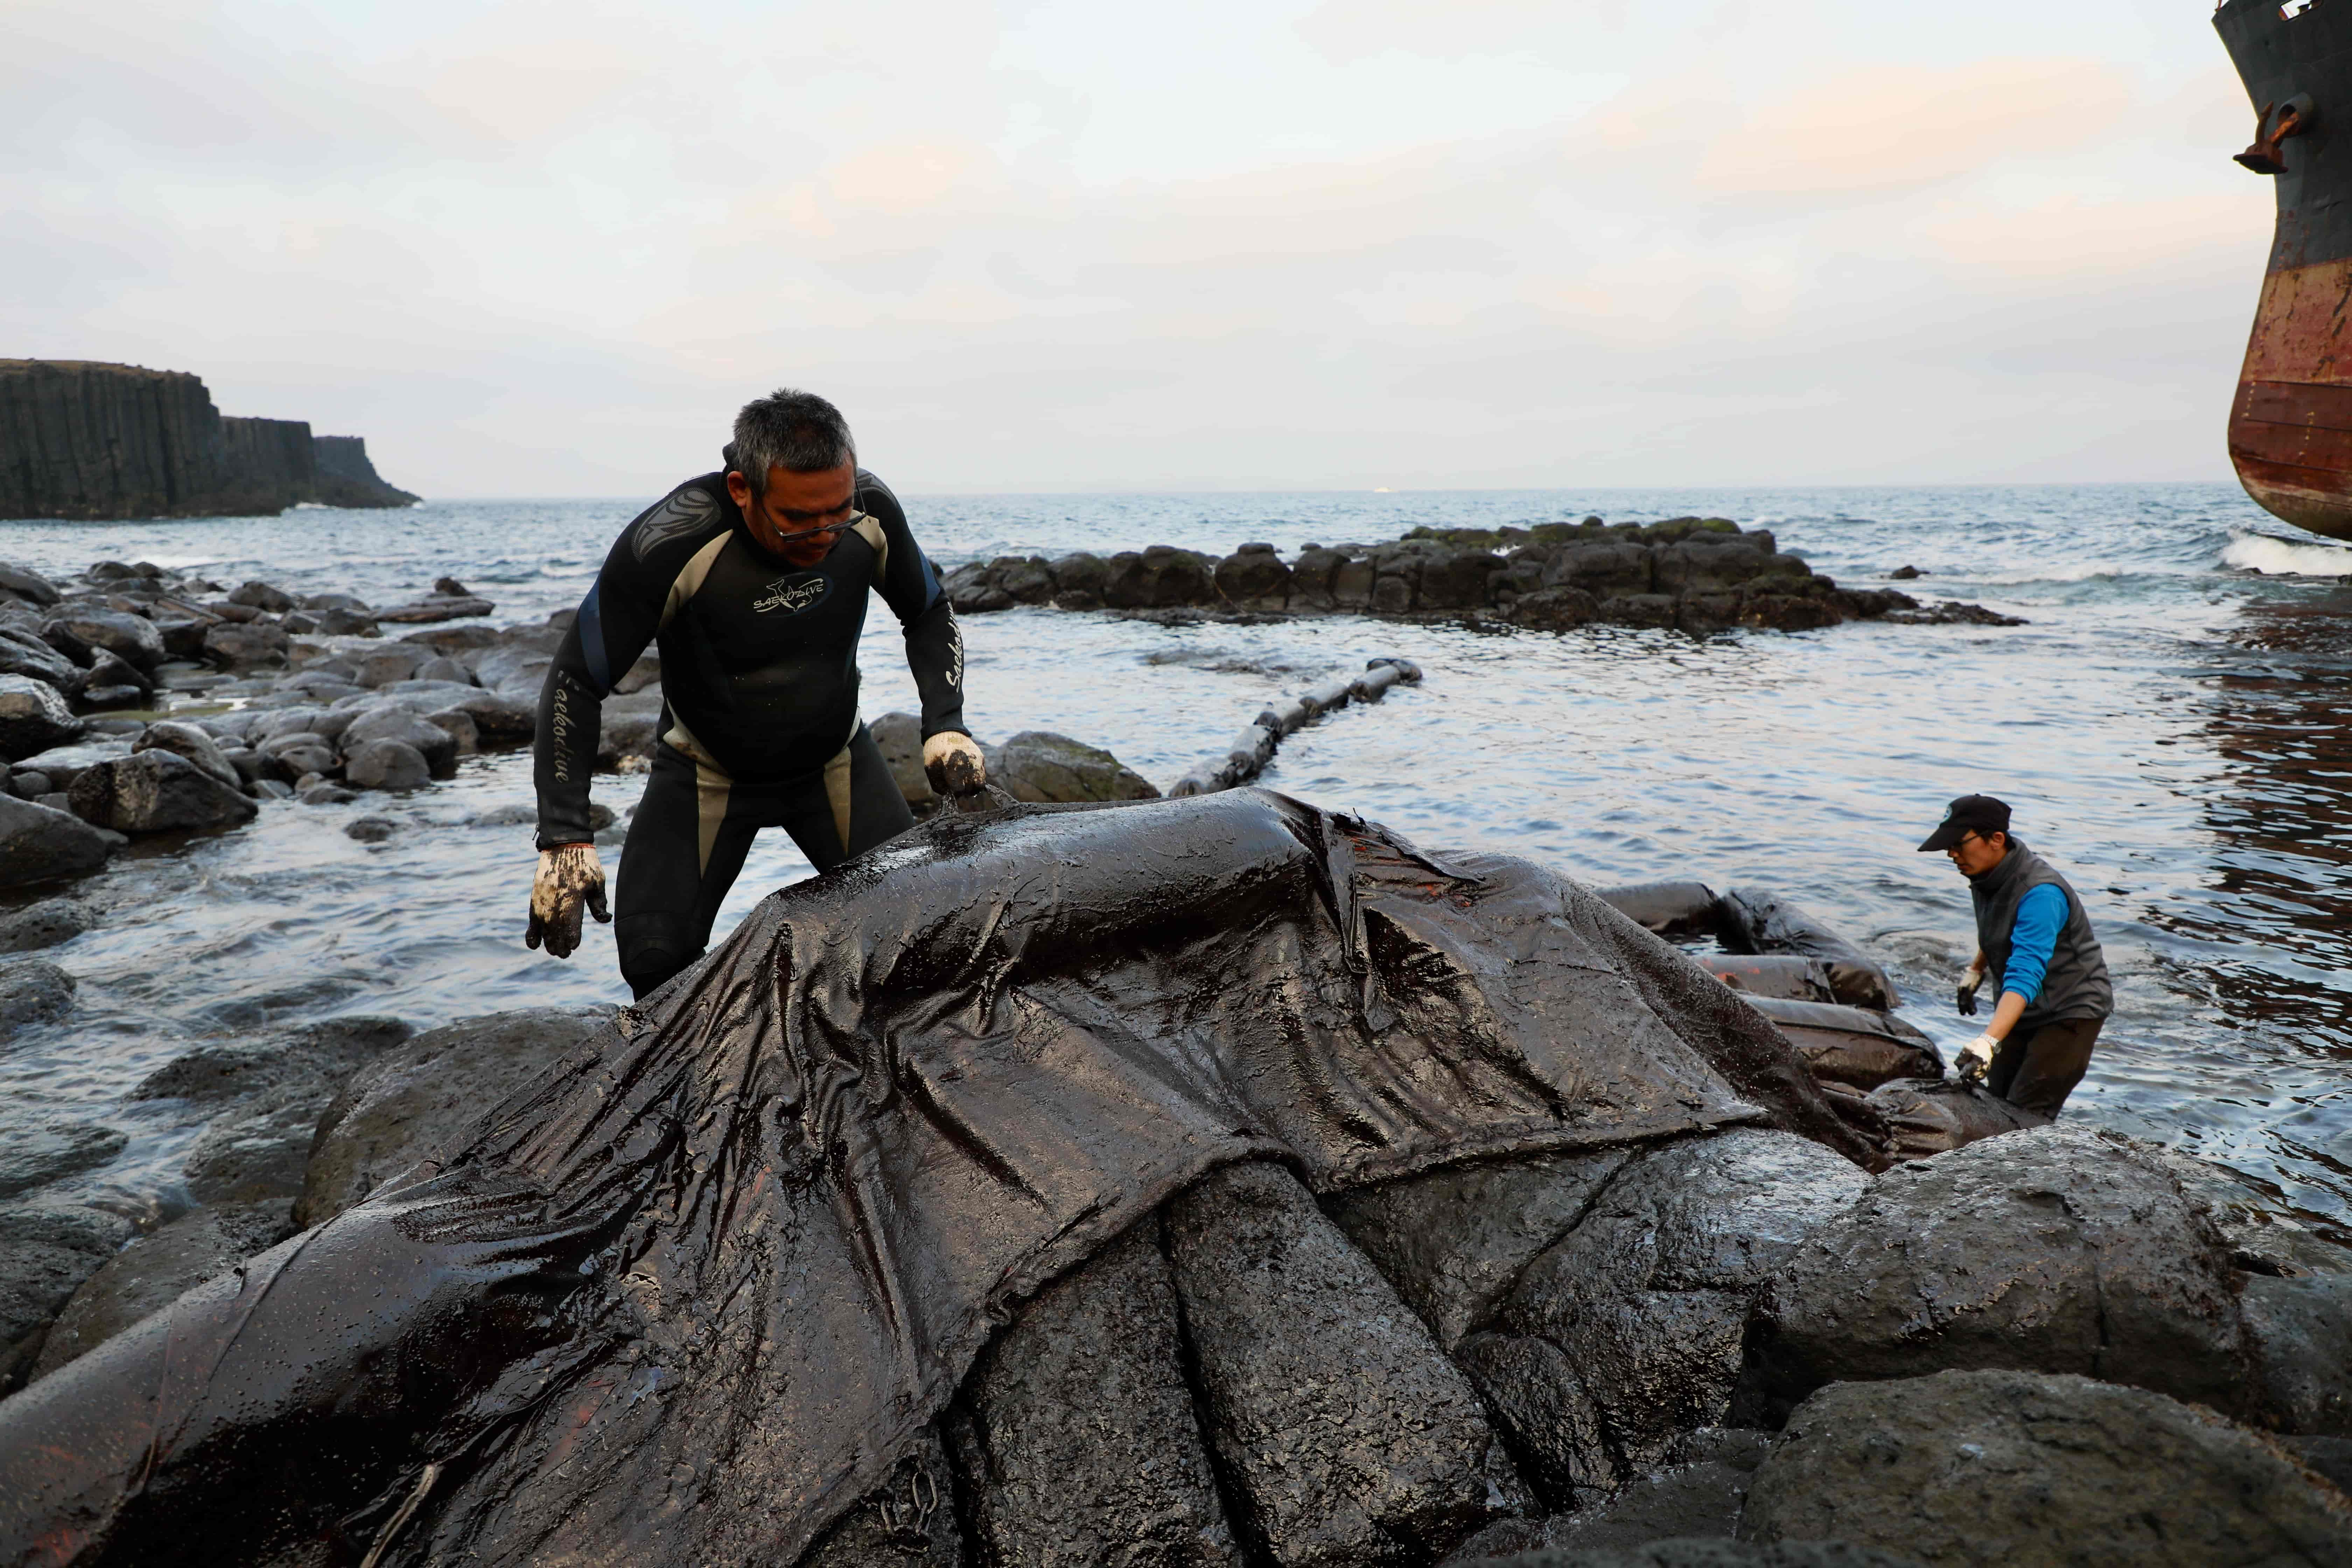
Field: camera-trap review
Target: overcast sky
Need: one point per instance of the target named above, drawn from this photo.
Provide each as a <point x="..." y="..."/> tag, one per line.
<point x="548" y="249"/>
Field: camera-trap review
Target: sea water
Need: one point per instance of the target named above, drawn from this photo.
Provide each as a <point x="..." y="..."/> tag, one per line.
<point x="2170" y="726"/>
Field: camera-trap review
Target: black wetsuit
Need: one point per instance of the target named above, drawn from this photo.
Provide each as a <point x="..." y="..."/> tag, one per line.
<point x="759" y="725"/>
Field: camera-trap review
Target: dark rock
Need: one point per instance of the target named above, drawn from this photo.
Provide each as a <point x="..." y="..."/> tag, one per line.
<point x="151" y="1273"/>
<point x="22" y="653"/>
<point x="1949" y="613"/>
<point x="331" y="1050"/>
<point x="1907" y="573"/>
<point x="1078" y="581"/>
<point x="1924" y="1117"/>
<point x="1556" y="609"/>
<point x="907" y="1522"/>
<point x="1037" y="766"/>
<point x="437" y="608"/>
<point x="1653" y="610"/>
<point x="100" y="697"/>
<point x="326" y="724"/>
<point x="1457" y="580"/>
<point x="1158" y="578"/>
<point x="1024" y="580"/>
<point x="1701" y="1553"/>
<point x="1453" y="1241"/>
<point x="899" y="738"/>
<point x="156" y="791"/>
<point x="1628" y="1332"/>
<point x="2330" y="1458"/>
<point x="81" y="634"/>
<point x="1352" y="584"/>
<point x="195" y="744"/>
<point x="183" y="635"/>
<point x="253" y="645"/>
<point x="326" y="795"/>
<point x="292" y="756"/>
<point x="23" y="584"/>
<point x="393" y="661"/>
<point x="1787" y="612"/>
<point x="33" y="991"/>
<point x="449" y="670"/>
<point x="1076" y="1433"/>
<point x="387" y="765"/>
<point x="260" y="595"/>
<point x="44" y="1254"/>
<point x="1346" y="1435"/>
<point x="436" y="745"/>
<point x="28" y="784"/>
<point x="40" y="843"/>
<point x="108" y="669"/>
<point x="332" y="623"/>
<point x="449" y="587"/>
<point x="1396" y="577"/>
<point x="36" y="1154"/>
<point x="1696" y="1495"/>
<point x="33" y="716"/>
<point x="1603" y="568"/>
<point x="397" y="1109"/>
<point x="1253" y="578"/>
<point x="1310" y="577"/>
<point x="1997" y="1467"/>
<point x="2301" y="1333"/>
<point x="334" y="602"/>
<point x="371" y="829"/>
<point x="2064" y="1249"/>
<point x="45" y="924"/>
<point x="630" y="728"/>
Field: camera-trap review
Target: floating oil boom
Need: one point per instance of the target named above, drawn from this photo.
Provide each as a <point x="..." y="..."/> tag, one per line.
<point x="2291" y="425"/>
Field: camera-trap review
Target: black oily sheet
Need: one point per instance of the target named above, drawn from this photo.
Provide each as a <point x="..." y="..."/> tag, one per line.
<point x="694" y="1291"/>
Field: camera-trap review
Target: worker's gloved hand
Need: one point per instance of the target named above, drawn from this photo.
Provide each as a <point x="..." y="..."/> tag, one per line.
<point x="1975" y="1058"/>
<point x="953" y="763"/>
<point x="569" y="877"/>
<point x="1968" y="997"/>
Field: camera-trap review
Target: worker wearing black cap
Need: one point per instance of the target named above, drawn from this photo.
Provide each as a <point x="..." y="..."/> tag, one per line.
<point x="2035" y="942"/>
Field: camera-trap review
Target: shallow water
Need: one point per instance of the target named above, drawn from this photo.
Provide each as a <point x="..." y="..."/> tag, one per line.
<point x="2168" y="726"/>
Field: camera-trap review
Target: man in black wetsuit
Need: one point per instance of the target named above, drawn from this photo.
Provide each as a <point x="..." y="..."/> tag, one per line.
<point x="755" y="583"/>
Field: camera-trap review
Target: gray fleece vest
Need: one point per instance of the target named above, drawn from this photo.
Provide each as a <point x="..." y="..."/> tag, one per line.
<point x="2076" y="985"/>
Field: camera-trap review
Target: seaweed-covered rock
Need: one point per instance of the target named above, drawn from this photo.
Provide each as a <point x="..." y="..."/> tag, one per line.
<point x="156" y="791"/>
<point x="40" y="843"/>
<point x="1075" y="1432"/>
<point x="400" y="1106"/>
<point x="2001" y="1467"/>
<point x="2059" y="1250"/>
<point x="1628" y="1332"/>
<point x="45" y="1252"/>
<point x="152" y="1272"/>
<point x="1348" y="1436"/>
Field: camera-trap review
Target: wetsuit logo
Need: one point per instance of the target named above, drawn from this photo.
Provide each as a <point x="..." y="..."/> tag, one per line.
<point x="791" y="596"/>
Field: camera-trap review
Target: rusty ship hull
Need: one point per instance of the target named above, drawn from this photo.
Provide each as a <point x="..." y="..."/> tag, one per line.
<point x="2291" y="423"/>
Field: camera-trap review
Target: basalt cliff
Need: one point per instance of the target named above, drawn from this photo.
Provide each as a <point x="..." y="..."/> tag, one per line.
<point x="86" y="440"/>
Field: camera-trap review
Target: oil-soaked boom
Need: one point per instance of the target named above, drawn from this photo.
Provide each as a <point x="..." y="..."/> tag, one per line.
<point x="2291" y="426"/>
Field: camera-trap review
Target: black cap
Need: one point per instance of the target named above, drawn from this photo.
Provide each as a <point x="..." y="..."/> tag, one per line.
<point x="1970" y="814"/>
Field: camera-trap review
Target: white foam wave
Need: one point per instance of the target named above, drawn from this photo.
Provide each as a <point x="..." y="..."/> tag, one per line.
<point x="2284" y="558"/>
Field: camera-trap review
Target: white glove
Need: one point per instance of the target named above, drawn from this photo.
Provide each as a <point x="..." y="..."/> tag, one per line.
<point x="954" y="763"/>
<point x="1975" y="1056"/>
<point x="570" y="875"/>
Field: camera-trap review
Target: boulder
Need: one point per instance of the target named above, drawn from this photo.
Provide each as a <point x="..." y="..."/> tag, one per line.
<point x="32" y="990"/>
<point x="156" y="791"/>
<point x="371" y="829"/>
<point x="1078" y="581"/>
<point x="259" y="596"/>
<point x="35" y="1152"/>
<point x="256" y="644"/>
<point x="27" y="586"/>
<point x="437" y="608"/>
<point x="296" y="755"/>
<point x="393" y="661"/>
<point x="1604" y="570"/>
<point x="45" y="1252"/>
<point x="2301" y="1335"/>
<point x="1696" y="1495"/>
<point x="152" y="1272"/>
<point x="40" y="843"/>
<point x="45" y="924"/>
<point x="1076" y="1434"/>
<point x="399" y="1108"/>
<point x="1556" y="609"/>
<point x="2064" y="1249"/>
<point x="1458" y="580"/>
<point x="1253" y="578"/>
<point x="110" y="669"/>
<point x="195" y="744"/>
<point x="1160" y="577"/>
<point x="33" y="716"/>
<point x="1346" y="1436"/>
<point x="1628" y="1331"/>
<point x="388" y="764"/>
<point x="436" y="745"/>
<point x="1038" y="766"/>
<point x="325" y="723"/>
<point x="23" y="653"/>
<point x="1699" y="1553"/>
<point x="899" y="738"/>
<point x="2002" y="1467"/>
<point x="81" y="634"/>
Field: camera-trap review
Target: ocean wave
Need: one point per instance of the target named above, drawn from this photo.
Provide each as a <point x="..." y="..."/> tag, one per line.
<point x="2284" y="558"/>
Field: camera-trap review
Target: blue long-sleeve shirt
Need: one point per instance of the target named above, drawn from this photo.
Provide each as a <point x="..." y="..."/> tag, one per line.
<point x="2040" y="915"/>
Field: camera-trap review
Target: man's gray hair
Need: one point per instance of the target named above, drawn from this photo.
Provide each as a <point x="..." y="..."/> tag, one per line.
<point x="796" y="431"/>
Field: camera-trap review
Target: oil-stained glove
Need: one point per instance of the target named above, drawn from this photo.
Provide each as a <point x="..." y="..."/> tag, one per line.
<point x="569" y="877"/>
<point x="953" y="763"/>
<point x="1975" y="1058"/>
<point x="1968" y="997"/>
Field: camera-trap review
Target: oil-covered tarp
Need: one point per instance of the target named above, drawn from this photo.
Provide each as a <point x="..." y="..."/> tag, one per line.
<point x="690" y="1295"/>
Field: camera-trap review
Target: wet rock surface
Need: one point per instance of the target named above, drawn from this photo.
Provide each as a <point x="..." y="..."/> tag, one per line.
<point x="1986" y="1467"/>
<point x="1348" y="1436"/>
<point x="402" y="1104"/>
<point x="1075" y="1435"/>
<point x="2300" y="1335"/>
<point x="32" y="990"/>
<point x="2060" y="1249"/>
<point x="908" y="1521"/>
<point x="1697" y="574"/>
<point x="41" y="843"/>
<point x="42" y="925"/>
<point x="35" y="1153"/>
<point x="1704" y="1553"/>
<point x="44" y="1254"/>
<point x="156" y="791"/>
<point x="1630" y="1331"/>
<point x="1699" y="1493"/>
<point x="152" y="1271"/>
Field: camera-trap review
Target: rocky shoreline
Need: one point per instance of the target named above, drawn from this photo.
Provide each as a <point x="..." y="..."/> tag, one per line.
<point x="1698" y="575"/>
